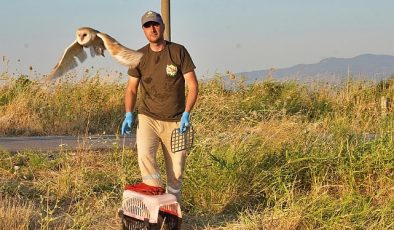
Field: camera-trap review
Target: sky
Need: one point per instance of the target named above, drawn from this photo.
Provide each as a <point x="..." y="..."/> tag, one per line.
<point x="220" y="35"/>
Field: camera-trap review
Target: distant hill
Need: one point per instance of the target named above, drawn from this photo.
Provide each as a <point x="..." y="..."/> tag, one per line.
<point x="366" y="66"/>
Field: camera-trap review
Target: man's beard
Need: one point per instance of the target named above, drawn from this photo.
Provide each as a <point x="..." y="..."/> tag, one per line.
<point x="156" y="39"/>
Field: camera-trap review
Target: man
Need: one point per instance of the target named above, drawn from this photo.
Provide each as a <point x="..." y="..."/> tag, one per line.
<point x="162" y="73"/>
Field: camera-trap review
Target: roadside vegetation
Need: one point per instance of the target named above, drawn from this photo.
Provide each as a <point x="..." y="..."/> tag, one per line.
<point x="271" y="155"/>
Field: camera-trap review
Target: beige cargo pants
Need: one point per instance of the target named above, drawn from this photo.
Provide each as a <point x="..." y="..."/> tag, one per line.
<point x="150" y="134"/>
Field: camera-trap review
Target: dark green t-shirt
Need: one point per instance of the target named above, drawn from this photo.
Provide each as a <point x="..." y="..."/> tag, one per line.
<point x="162" y="85"/>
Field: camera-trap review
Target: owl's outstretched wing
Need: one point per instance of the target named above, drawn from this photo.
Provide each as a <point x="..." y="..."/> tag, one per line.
<point x="97" y="44"/>
<point x="122" y="54"/>
<point x="68" y="61"/>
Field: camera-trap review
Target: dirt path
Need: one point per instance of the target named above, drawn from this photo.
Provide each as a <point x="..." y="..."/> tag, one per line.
<point x="59" y="143"/>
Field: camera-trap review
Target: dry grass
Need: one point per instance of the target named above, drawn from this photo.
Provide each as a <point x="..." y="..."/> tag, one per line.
<point x="20" y="115"/>
<point x="15" y="214"/>
<point x="273" y="155"/>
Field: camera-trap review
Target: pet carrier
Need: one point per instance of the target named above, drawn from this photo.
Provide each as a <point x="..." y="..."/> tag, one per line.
<point x="149" y="212"/>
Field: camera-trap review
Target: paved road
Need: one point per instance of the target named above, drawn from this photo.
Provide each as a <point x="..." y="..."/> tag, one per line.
<point x="59" y="143"/>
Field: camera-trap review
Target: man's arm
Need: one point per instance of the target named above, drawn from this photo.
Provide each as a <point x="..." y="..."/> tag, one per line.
<point x="130" y="96"/>
<point x="192" y="87"/>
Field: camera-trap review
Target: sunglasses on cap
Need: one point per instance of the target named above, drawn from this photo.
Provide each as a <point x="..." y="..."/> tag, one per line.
<point x="149" y="24"/>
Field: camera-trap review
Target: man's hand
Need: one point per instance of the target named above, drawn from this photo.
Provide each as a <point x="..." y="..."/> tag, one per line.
<point x="185" y="121"/>
<point x="127" y="123"/>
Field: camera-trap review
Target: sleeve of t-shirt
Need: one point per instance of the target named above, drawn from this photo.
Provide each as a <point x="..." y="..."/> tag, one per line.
<point x="134" y="72"/>
<point x="187" y="64"/>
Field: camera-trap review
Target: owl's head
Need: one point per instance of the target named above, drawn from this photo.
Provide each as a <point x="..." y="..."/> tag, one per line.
<point x="85" y="35"/>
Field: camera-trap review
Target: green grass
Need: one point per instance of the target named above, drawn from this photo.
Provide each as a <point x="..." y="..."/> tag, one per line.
<point x="273" y="155"/>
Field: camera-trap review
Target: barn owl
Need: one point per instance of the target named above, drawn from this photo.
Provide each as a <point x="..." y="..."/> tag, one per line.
<point x="97" y="42"/>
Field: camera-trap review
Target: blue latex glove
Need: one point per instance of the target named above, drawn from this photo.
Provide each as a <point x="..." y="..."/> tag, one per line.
<point x="185" y="121"/>
<point x="127" y="123"/>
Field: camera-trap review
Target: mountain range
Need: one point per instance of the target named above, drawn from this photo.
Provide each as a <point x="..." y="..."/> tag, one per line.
<point x="363" y="67"/>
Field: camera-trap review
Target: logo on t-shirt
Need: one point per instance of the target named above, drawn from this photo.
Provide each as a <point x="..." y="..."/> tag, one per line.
<point x="171" y="70"/>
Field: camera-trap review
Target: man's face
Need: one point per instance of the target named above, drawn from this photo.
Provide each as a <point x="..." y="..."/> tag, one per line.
<point x="153" y="31"/>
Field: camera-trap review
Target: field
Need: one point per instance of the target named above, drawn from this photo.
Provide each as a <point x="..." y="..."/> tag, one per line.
<point x="272" y="155"/>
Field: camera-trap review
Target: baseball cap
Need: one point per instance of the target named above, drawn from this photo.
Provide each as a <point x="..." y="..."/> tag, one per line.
<point x="151" y="16"/>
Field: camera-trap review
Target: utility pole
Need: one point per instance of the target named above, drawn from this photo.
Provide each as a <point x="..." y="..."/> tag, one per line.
<point x="165" y="13"/>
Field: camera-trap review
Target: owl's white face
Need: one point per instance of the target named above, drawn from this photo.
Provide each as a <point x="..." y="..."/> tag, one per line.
<point x="85" y="36"/>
